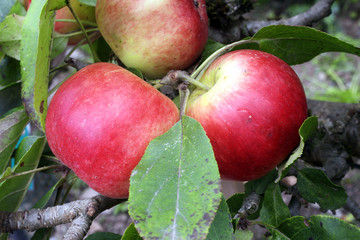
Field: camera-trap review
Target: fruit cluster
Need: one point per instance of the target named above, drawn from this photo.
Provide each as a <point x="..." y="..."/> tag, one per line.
<point x="101" y="119"/>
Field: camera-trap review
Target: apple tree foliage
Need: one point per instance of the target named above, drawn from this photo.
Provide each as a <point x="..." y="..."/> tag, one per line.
<point x="175" y="190"/>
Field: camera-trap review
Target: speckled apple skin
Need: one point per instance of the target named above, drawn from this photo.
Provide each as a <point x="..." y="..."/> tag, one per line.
<point x="100" y="122"/>
<point x="154" y="36"/>
<point x="252" y="113"/>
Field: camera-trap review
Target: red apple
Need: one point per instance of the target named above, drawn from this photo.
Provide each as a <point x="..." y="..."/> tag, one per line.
<point x="84" y="12"/>
<point x="100" y="122"/>
<point x="154" y="36"/>
<point x="251" y="114"/>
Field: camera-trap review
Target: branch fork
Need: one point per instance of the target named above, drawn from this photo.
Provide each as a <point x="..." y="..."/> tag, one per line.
<point x="80" y="213"/>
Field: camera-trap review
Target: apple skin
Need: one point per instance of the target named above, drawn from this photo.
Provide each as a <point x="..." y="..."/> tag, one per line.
<point x="100" y="122"/>
<point x="154" y="36"/>
<point x="251" y="114"/>
<point x="84" y="12"/>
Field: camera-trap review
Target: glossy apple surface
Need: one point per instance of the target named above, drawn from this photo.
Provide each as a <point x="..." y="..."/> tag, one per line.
<point x="100" y="122"/>
<point x="154" y="36"/>
<point x="252" y="113"/>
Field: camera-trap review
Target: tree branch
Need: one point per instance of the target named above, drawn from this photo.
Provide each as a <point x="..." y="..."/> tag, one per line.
<point x="239" y="28"/>
<point x="81" y="213"/>
<point x="317" y="12"/>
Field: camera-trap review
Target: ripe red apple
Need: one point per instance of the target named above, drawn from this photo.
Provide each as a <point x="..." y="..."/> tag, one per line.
<point x="251" y="114"/>
<point x="100" y="122"/>
<point x="154" y="36"/>
<point x="84" y="12"/>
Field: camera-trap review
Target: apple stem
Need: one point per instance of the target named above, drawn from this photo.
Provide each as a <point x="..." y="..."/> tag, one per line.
<point x="176" y="77"/>
<point x="184" y="93"/>
<point x="196" y="82"/>
<point x="76" y="33"/>
<point x="154" y="81"/>
<point x="93" y="52"/>
<point x="29" y="172"/>
<point x="88" y="23"/>
<point x="78" y="45"/>
<point x="158" y="85"/>
<point x="201" y="69"/>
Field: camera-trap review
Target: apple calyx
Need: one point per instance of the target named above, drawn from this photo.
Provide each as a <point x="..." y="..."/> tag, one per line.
<point x="181" y="79"/>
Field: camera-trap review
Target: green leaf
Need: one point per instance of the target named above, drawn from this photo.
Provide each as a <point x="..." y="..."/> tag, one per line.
<point x="27" y="157"/>
<point x="210" y="48"/>
<point x="35" y="59"/>
<point x="10" y="97"/>
<point x="137" y="72"/>
<point x="328" y="228"/>
<point x="293" y="44"/>
<point x="297" y="45"/>
<point x="11" y="127"/>
<point x="306" y="131"/>
<point x="274" y="210"/>
<point x="221" y="227"/>
<point x="42" y="234"/>
<point x="104" y="236"/>
<point x="88" y="2"/>
<point x="276" y="235"/>
<point x="10" y="72"/>
<point x="18" y="8"/>
<point x="10" y="35"/>
<point x="291" y="226"/>
<point x="55" y="4"/>
<point x="315" y="186"/>
<point x="175" y="189"/>
<point x="5" y="7"/>
<point x="131" y="233"/>
<point x="58" y="46"/>
<point x="6" y="173"/>
<point x="4" y="236"/>
<point x="44" y="200"/>
<point x="244" y="235"/>
<point x="10" y="85"/>
<point x="103" y="49"/>
<point x="260" y="185"/>
<point x="235" y="202"/>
